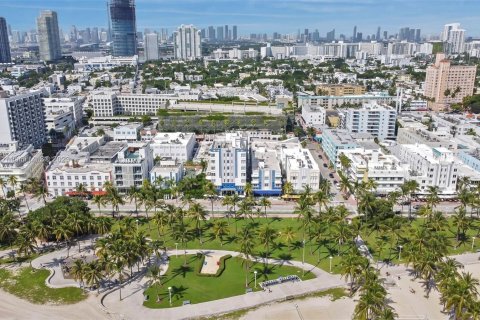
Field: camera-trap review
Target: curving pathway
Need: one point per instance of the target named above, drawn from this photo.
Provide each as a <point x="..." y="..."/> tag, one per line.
<point x="131" y="307"/>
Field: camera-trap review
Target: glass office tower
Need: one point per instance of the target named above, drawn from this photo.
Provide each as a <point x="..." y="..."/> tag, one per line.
<point x="124" y="31"/>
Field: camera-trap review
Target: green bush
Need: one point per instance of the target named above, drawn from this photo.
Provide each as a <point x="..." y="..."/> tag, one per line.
<point x="220" y="270"/>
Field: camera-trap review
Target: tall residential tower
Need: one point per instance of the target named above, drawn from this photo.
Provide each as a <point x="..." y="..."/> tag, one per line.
<point x="123" y="24"/>
<point x="49" y="36"/>
<point x="187" y="43"/>
<point x="4" y="45"/>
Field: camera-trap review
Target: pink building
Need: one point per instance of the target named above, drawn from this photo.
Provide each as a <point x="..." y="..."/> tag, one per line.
<point x="447" y="84"/>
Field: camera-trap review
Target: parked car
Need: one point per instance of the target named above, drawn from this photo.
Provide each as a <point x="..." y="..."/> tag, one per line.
<point x="325" y="165"/>
<point x="330" y="175"/>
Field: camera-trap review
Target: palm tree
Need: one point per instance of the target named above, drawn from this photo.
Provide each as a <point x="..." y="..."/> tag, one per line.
<point x="133" y="194"/>
<point x="344" y="183"/>
<point x="13" y="181"/>
<point x="24" y="189"/>
<point x="345" y="162"/>
<point x="154" y="273"/>
<point x="265" y="203"/>
<point x="115" y="199"/>
<point x="3" y="185"/>
<point x="288" y="234"/>
<point x="411" y="187"/>
<point x="102" y="225"/>
<point x="220" y="229"/>
<point x="211" y="192"/>
<point x="26" y="243"/>
<point x="181" y="234"/>
<point x="351" y="267"/>
<point x="267" y="236"/>
<point x="77" y="271"/>
<point x="41" y="191"/>
<point x="461" y="221"/>
<point x="305" y="213"/>
<point x="287" y="188"/>
<point x="432" y="197"/>
<point x="160" y="219"/>
<point x="99" y="201"/>
<point x="322" y="199"/>
<point x="248" y="190"/>
<point x="247" y="243"/>
<point x="198" y="214"/>
<point x="93" y="274"/>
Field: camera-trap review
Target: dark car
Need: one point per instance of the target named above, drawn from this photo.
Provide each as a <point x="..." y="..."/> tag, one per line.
<point x="325" y="165"/>
<point x="330" y="175"/>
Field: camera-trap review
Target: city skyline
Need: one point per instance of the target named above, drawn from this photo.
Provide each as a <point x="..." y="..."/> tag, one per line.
<point x="254" y="16"/>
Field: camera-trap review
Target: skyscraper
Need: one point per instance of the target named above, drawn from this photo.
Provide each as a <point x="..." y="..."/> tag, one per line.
<point x="4" y="45"/>
<point x="453" y="38"/>
<point x="49" y="36"/>
<point x="225" y="33"/>
<point x="378" y="34"/>
<point x="124" y="31"/>
<point x="354" y="37"/>
<point x="331" y="35"/>
<point x="234" y="33"/>
<point x="187" y="43"/>
<point x="220" y="34"/>
<point x="151" y="47"/>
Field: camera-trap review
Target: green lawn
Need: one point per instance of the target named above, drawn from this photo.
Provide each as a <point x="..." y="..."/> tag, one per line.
<point x="186" y="285"/>
<point x="29" y="284"/>
<point x="315" y="254"/>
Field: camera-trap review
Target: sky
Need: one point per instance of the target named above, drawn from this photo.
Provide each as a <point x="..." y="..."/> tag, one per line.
<point x="261" y="16"/>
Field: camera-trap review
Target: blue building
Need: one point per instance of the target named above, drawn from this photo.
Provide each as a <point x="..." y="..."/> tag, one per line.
<point x="471" y="159"/>
<point x="123" y="28"/>
<point x="334" y="141"/>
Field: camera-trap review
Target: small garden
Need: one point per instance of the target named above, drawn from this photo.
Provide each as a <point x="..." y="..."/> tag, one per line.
<point x="188" y="285"/>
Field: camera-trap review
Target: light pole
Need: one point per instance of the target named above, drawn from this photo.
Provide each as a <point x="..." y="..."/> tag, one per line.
<point x="170" y="295"/>
<point x="303" y="258"/>
<point x="255" y="273"/>
<point x="137" y="224"/>
<point x="400" y="253"/>
<point x="473" y="242"/>
<point x="331" y="258"/>
<point x="176" y="249"/>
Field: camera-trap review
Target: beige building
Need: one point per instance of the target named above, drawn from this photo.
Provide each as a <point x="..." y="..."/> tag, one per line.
<point x="340" y="89"/>
<point x="447" y="84"/>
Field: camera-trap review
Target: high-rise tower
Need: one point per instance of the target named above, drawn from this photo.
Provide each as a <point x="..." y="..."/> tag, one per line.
<point x="123" y="25"/>
<point x="4" y="44"/>
<point x="49" y="36"/>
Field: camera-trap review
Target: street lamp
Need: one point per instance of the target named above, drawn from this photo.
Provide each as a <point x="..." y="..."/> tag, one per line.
<point x="331" y="258"/>
<point x="473" y="242"/>
<point x="400" y="253"/>
<point x="170" y="295"/>
<point x="255" y="273"/>
<point x="137" y="224"/>
<point x="303" y="258"/>
<point x="176" y="249"/>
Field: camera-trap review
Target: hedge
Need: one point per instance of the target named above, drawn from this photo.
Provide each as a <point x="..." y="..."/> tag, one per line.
<point x="220" y="270"/>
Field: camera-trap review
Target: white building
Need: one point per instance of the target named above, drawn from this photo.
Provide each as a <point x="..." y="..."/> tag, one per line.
<point x="187" y="43"/>
<point x="228" y="163"/>
<point x="132" y="166"/>
<point x="22" y="164"/>
<point x="175" y="145"/>
<point x="87" y="161"/>
<point x="331" y="102"/>
<point x="266" y="171"/>
<point x="72" y="104"/>
<point x="87" y="65"/>
<point x="386" y="170"/>
<point x="108" y="103"/>
<point x="454" y="38"/>
<point x="22" y="119"/>
<point x="151" y="47"/>
<point x="60" y="127"/>
<point x="378" y="120"/>
<point x="300" y="168"/>
<point x="127" y="132"/>
<point x="429" y="167"/>
<point x="313" y="116"/>
<point x="167" y="170"/>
